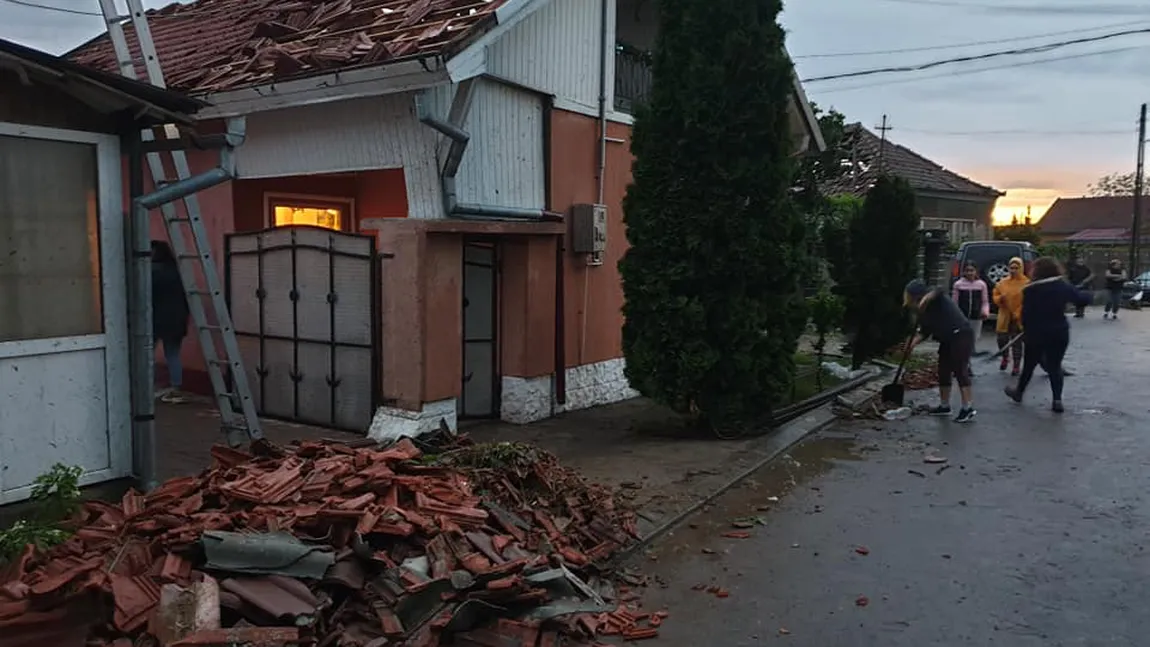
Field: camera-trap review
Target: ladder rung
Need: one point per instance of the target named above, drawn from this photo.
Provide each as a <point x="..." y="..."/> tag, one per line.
<point x="212" y="327"/>
<point x="221" y="362"/>
<point x="191" y="257"/>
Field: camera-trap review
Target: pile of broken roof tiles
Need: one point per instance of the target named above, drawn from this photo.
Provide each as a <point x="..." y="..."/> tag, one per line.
<point x="338" y="546"/>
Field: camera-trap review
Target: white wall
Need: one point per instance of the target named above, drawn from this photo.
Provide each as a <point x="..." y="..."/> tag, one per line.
<point x="556" y="50"/>
<point x="353" y="135"/>
<point x="504" y="164"/>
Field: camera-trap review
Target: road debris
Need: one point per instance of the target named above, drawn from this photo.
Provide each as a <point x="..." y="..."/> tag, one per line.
<point x="934" y="459"/>
<point x="862" y="550"/>
<point x="737" y="534"/>
<point x="862" y="601"/>
<point x="341" y="545"/>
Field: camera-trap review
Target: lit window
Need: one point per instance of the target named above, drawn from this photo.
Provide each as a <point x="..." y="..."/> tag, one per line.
<point x="315" y="216"/>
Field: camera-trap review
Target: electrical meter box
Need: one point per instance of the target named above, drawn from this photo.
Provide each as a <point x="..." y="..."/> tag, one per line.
<point x="589" y="228"/>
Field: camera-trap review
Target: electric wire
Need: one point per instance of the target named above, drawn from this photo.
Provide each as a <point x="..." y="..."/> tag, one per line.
<point x="973" y="43"/>
<point x="36" y="5"/>
<point x="1020" y="51"/>
<point x="980" y="70"/>
<point x="1038" y="8"/>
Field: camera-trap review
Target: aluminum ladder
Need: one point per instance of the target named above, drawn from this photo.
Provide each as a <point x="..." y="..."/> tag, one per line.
<point x="236" y="424"/>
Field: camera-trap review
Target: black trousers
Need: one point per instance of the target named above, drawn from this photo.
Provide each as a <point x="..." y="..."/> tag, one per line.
<point x="954" y="358"/>
<point x="1047" y="352"/>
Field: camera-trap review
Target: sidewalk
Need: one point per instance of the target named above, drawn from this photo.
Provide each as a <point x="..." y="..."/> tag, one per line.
<point x="661" y="466"/>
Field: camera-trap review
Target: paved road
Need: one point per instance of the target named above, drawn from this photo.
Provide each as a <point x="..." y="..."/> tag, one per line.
<point x="1035" y="533"/>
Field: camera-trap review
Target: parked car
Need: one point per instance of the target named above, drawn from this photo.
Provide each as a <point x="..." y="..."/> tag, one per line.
<point x="993" y="259"/>
<point x="1136" y="291"/>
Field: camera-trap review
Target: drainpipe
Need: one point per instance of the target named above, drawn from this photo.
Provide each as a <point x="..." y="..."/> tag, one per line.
<point x="460" y="138"/>
<point x="142" y="348"/>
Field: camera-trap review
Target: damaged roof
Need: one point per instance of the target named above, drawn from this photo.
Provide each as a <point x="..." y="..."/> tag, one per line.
<point x="861" y="147"/>
<point x="219" y="45"/>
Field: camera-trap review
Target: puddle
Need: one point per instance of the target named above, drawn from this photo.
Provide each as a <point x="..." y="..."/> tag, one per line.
<point x="756" y="497"/>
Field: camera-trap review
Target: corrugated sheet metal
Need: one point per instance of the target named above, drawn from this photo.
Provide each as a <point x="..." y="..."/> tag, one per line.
<point x="504" y="164"/>
<point x="354" y="135"/>
<point x="555" y="50"/>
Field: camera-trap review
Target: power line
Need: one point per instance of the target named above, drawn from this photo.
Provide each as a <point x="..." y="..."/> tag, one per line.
<point x="1031" y="8"/>
<point x="991" y="68"/>
<point x="34" y="5"/>
<point x="974" y="43"/>
<point x="1037" y="49"/>
<point x="1024" y="133"/>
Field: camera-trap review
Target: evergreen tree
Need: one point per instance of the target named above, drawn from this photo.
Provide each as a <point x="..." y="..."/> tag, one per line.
<point x="713" y="301"/>
<point x="884" y="246"/>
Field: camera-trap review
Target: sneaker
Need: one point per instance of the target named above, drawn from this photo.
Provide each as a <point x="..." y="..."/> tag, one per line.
<point x="1005" y="362"/>
<point x="1014" y="372"/>
<point x="1013" y="393"/>
<point x="940" y="410"/>
<point x="1056" y="406"/>
<point x="1105" y="315"/>
<point x="162" y="393"/>
<point x="173" y="397"/>
<point x="966" y="414"/>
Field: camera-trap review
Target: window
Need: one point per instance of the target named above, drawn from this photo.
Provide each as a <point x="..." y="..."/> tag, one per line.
<point x="49" y="240"/>
<point x="285" y="211"/>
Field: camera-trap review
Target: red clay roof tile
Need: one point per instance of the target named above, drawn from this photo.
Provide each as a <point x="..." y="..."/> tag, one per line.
<point x="215" y="45"/>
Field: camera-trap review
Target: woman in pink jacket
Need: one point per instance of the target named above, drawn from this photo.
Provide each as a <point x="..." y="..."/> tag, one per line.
<point x="973" y="298"/>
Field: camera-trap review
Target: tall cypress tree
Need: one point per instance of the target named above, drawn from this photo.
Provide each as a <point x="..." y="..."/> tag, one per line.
<point x="714" y="307"/>
<point x="884" y="244"/>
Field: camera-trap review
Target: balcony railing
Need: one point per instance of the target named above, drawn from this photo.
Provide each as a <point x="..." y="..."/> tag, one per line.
<point x="632" y="77"/>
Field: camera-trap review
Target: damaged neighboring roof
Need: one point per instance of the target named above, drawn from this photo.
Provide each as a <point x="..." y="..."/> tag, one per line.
<point x="216" y="45"/>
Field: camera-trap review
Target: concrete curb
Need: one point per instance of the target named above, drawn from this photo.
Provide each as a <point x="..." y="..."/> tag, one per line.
<point x="778" y="443"/>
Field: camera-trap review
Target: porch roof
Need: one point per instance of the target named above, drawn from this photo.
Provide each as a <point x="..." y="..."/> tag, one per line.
<point x="212" y="46"/>
<point x="102" y="91"/>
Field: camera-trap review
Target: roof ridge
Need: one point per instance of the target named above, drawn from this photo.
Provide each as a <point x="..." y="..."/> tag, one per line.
<point x="921" y="157"/>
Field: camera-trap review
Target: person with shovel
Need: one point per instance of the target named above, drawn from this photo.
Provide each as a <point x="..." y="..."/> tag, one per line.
<point x="939" y="317"/>
<point x="1047" y="330"/>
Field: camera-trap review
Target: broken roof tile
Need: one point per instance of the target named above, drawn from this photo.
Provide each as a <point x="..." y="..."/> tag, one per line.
<point x="216" y="45"/>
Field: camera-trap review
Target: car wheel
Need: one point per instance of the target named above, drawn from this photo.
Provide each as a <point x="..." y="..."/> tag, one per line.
<point x="997" y="272"/>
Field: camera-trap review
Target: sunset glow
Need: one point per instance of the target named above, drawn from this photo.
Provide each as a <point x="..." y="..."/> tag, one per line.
<point x="1016" y="201"/>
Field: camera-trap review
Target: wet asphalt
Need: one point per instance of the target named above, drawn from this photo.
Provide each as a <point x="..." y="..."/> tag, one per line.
<point x="1033" y="532"/>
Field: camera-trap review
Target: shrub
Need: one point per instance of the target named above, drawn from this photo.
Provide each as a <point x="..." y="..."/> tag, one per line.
<point x="884" y="246"/>
<point x="826" y="310"/>
<point x="56" y="497"/>
<point x="713" y="305"/>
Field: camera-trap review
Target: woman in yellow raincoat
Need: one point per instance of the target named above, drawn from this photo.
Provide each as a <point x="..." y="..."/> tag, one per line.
<point x="1008" y="298"/>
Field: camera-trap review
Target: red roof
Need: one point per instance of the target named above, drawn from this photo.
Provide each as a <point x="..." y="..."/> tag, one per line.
<point x="1071" y="215"/>
<point x="1099" y="235"/>
<point x="215" y="45"/>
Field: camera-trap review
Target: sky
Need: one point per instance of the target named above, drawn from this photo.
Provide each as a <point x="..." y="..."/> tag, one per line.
<point x="1037" y="125"/>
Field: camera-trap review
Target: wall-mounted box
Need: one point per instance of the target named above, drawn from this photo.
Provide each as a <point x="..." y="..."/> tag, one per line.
<point x="589" y="228"/>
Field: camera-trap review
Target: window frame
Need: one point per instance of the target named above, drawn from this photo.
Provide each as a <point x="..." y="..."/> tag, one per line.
<point x="273" y="199"/>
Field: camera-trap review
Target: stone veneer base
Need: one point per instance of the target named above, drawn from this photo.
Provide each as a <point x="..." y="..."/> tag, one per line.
<point x="529" y="399"/>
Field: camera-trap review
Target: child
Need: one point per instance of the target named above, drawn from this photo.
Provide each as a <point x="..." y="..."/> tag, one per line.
<point x="1115" y="279"/>
<point x="972" y="297"/>
<point x="940" y="318"/>
<point x="1008" y="298"/>
<point x="1047" y="331"/>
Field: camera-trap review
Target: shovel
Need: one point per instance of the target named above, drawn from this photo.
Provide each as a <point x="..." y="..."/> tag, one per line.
<point x="1005" y="349"/>
<point x="895" y="393"/>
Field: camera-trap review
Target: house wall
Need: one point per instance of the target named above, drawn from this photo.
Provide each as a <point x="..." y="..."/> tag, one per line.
<point x="504" y="163"/>
<point x="354" y="135"/>
<point x="377" y="194"/>
<point x="593" y="295"/>
<point x="556" y="50"/>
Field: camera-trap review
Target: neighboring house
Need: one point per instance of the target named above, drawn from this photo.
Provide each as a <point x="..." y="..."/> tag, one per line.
<point x="455" y="150"/>
<point x="64" y="366"/>
<point x="945" y="200"/>
<point x="1070" y="216"/>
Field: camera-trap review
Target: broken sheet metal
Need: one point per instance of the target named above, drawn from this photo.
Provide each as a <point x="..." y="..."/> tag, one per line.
<point x="275" y="553"/>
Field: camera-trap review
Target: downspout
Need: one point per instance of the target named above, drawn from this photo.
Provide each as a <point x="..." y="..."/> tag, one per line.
<point x="143" y="395"/>
<point x="460" y="138"/>
<point x="601" y="176"/>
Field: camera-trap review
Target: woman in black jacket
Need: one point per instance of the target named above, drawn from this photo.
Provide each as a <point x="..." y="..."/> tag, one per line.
<point x="169" y="316"/>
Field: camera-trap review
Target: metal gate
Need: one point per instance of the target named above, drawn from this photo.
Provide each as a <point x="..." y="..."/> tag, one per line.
<point x="305" y="302"/>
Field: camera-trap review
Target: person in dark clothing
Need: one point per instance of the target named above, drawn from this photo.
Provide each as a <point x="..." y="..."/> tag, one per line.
<point x="1115" y="279"/>
<point x="169" y="316"/>
<point x="1080" y="277"/>
<point x="1044" y="302"/>
<point x="940" y="318"/>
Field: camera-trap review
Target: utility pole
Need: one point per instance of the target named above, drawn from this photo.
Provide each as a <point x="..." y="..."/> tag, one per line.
<point x="882" y="144"/>
<point x="1136" y="222"/>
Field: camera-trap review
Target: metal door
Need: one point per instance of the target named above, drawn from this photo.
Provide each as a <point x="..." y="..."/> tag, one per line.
<point x="480" y="394"/>
<point x="305" y="302"/>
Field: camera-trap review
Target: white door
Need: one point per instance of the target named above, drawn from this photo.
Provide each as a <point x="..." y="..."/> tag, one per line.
<point x="63" y="308"/>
